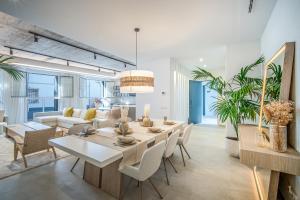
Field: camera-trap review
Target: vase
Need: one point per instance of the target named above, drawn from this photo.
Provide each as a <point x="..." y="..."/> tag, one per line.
<point x="278" y="138"/>
<point x="261" y="139"/>
<point x="123" y="126"/>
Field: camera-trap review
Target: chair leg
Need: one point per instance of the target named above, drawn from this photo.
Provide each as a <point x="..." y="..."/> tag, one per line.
<point x="24" y="159"/>
<point x="54" y="152"/>
<point x="166" y="172"/>
<point x="15" y="152"/>
<point x="74" y="164"/>
<point x="182" y="155"/>
<point x="126" y="188"/>
<point x="172" y="165"/>
<point x="186" y="151"/>
<point x="141" y="189"/>
<point x="156" y="190"/>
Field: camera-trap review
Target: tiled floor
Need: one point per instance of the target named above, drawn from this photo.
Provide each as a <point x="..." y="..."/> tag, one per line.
<point x="210" y="174"/>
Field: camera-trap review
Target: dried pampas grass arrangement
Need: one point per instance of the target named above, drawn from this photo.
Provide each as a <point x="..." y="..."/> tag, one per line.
<point x="279" y="112"/>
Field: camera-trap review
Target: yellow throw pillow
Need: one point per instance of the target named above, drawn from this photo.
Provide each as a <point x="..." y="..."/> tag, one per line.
<point x="68" y="112"/>
<point x="90" y="114"/>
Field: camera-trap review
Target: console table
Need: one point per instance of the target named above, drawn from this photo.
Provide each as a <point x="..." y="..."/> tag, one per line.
<point x="255" y="156"/>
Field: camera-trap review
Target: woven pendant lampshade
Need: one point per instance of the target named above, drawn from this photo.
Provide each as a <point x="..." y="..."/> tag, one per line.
<point x="136" y="81"/>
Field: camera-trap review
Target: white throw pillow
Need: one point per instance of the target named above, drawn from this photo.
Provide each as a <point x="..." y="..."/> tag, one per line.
<point x="102" y="114"/>
<point x="76" y="112"/>
<point x="82" y="114"/>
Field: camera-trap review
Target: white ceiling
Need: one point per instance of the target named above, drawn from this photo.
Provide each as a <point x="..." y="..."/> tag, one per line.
<point x="187" y="29"/>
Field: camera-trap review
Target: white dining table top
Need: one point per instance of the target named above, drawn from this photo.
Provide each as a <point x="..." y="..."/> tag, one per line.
<point x="96" y="154"/>
<point x="99" y="154"/>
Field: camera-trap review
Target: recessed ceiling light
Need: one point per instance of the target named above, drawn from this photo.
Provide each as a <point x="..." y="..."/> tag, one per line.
<point x="204" y="65"/>
<point x="201" y="59"/>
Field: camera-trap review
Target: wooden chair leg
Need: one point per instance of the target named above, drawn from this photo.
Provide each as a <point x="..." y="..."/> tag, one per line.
<point x="15" y="152"/>
<point x="186" y="151"/>
<point x="54" y="152"/>
<point x="172" y="165"/>
<point x="182" y="155"/>
<point x="156" y="190"/>
<point x="164" y="161"/>
<point x="24" y="159"/>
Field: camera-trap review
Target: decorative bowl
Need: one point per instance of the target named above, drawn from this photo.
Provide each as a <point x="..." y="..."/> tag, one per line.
<point x="126" y="140"/>
<point x="154" y="129"/>
<point x="169" y="123"/>
<point x="118" y="131"/>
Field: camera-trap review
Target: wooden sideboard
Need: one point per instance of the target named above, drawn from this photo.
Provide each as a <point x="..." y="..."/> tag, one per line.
<point x="263" y="157"/>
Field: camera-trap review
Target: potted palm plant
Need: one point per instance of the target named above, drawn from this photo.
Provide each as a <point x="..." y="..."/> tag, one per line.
<point x="14" y="73"/>
<point x="237" y="101"/>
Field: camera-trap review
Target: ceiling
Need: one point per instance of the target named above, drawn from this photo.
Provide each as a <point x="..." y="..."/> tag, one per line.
<point x="186" y="30"/>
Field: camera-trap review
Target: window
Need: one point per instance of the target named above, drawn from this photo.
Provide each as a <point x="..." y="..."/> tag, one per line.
<point x="66" y="86"/>
<point x="91" y="89"/>
<point x="42" y="94"/>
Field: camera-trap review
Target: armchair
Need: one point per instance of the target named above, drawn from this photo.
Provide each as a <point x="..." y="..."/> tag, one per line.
<point x="34" y="141"/>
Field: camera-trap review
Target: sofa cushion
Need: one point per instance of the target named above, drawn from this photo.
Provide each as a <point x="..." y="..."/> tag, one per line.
<point x="102" y="114"/>
<point x="76" y="112"/>
<point x="72" y="120"/>
<point x="82" y="114"/>
<point x="67" y="112"/>
<point x="44" y="119"/>
<point x="90" y="114"/>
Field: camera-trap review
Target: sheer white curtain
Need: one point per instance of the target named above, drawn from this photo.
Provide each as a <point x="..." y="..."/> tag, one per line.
<point x="13" y="98"/>
<point x="70" y="93"/>
<point x="180" y="77"/>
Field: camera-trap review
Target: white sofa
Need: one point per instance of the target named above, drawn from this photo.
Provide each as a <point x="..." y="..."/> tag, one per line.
<point x="56" y="118"/>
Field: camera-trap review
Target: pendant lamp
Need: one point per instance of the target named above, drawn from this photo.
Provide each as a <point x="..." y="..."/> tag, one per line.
<point x="136" y="81"/>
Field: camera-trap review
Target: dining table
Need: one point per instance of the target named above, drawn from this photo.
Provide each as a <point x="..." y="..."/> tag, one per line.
<point x="103" y="155"/>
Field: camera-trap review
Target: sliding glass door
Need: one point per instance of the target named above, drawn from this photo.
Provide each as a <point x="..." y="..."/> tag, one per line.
<point x="42" y="93"/>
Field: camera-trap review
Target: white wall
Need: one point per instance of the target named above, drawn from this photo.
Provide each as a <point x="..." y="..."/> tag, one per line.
<point x="237" y="56"/>
<point x="159" y="103"/>
<point x="284" y="26"/>
<point x="179" y="78"/>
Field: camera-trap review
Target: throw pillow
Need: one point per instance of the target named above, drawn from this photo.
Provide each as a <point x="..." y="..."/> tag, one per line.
<point x="76" y="112"/>
<point x="90" y="114"/>
<point x="68" y="112"/>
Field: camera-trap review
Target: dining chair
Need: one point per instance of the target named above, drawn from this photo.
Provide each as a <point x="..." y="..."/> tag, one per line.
<point x="183" y="140"/>
<point x="170" y="148"/>
<point x="149" y="164"/>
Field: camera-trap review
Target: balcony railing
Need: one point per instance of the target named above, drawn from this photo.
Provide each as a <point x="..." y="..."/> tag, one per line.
<point x="42" y="104"/>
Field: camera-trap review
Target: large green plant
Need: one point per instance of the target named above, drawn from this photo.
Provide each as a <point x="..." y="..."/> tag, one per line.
<point x="273" y="82"/>
<point x="14" y="73"/>
<point x="238" y="98"/>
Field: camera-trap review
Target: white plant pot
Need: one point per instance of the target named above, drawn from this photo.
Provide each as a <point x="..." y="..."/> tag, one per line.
<point x="232" y="147"/>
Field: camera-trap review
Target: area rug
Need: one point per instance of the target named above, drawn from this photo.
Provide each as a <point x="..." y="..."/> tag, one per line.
<point x="9" y="167"/>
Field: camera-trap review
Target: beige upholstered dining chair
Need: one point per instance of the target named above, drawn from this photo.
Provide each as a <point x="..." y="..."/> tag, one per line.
<point x="34" y="141"/>
<point x="149" y="164"/>
<point x="183" y="140"/>
<point x="170" y="148"/>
